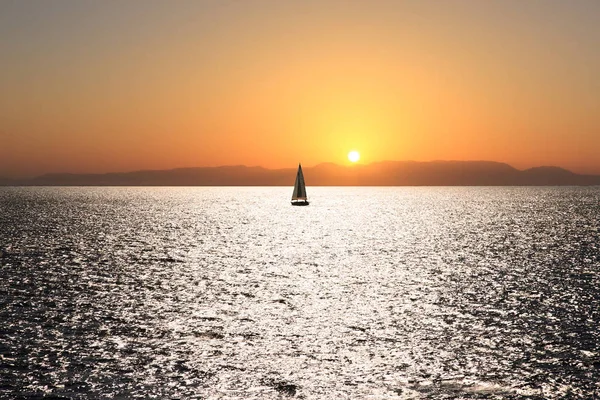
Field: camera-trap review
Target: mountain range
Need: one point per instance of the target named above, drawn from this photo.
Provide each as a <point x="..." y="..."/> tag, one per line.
<point x="387" y="173"/>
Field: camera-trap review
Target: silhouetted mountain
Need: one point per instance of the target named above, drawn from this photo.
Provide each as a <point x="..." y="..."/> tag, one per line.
<point x="388" y="173"/>
<point x="6" y="181"/>
<point x="207" y="176"/>
<point x="555" y="176"/>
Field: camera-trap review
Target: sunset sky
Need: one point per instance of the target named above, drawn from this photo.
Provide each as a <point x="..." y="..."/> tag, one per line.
<point x="112" y="85"/>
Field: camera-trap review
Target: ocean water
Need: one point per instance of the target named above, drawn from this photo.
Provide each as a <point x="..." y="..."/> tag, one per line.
<point x="368" y="293"/>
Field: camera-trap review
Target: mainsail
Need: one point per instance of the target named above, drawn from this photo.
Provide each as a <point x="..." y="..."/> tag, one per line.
<point x="299" y="187"/>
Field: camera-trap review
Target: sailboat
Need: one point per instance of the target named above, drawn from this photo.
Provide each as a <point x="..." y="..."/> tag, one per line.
<point x="299" y="196"/>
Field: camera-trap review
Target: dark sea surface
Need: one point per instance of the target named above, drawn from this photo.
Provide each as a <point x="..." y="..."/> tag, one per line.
<point x="232" y="293"/>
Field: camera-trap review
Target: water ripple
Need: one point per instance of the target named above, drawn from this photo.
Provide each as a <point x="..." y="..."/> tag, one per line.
<point x="368" y="293"/>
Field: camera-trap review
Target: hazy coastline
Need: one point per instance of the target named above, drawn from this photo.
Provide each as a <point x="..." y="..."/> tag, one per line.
<point x="387" y="173"/>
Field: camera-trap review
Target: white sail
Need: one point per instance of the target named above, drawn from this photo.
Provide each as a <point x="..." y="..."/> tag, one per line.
<point x="299" y="186"/>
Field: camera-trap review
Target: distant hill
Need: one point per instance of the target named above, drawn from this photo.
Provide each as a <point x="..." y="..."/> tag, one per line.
<point x="388" y="173"/>
<point x="6" y="181"/>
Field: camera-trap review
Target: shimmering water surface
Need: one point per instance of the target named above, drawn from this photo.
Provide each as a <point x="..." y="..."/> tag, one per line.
<point x="377" y="293"/>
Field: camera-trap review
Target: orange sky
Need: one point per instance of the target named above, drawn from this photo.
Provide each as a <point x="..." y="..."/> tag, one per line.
<point x="113" y="86"/>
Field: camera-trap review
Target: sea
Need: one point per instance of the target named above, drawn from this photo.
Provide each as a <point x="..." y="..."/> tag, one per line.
<point x="232" y="293"/>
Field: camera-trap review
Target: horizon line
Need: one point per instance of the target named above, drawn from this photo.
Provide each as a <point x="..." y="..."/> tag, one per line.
<point x="349" y="165"/>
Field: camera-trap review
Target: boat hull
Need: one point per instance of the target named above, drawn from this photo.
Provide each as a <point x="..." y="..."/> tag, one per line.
<point x="300" y="203"/>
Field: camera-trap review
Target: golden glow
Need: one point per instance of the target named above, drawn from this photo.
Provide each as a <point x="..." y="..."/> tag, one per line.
<point x="269" y="83"/>
<point x="354" y="156"/>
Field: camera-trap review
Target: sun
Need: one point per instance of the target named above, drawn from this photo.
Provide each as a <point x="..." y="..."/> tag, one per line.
<point x="354" y="156"/>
